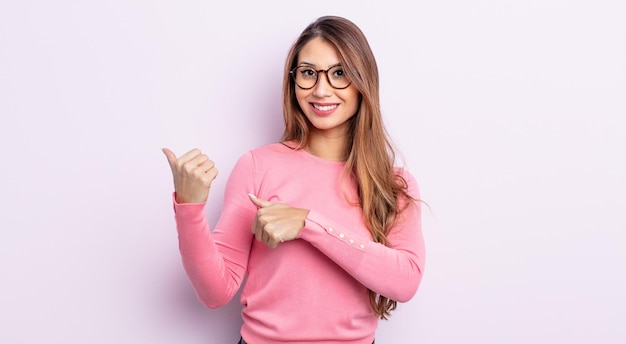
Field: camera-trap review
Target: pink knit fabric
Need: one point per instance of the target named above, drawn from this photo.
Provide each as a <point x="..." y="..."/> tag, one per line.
<point x="312" y="289"/>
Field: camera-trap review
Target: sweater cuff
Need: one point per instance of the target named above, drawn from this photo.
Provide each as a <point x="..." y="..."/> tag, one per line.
<point x="317" y="226"/>
<point x="188" y="211"/>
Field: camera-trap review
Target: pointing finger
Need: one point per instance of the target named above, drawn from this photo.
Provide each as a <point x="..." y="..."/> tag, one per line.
<point x="259" y="202"/>
<point x="171" y="157"/>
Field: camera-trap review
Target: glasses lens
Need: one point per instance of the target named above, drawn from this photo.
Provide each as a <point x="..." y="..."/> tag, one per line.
<point x="305" y="77"/>
<point x="337" y="77"/>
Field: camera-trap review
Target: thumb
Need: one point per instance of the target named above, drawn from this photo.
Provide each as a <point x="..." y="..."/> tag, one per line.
<point x="259" y="202"/>
<point x="171" y="157"/>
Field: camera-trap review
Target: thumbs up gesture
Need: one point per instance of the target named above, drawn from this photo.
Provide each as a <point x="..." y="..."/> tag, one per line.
<point x="193" y="174"/>
<point x="276" y="222"/>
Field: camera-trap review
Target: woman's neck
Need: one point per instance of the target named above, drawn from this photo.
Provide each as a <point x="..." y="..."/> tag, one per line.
<point x="327" y="147"/>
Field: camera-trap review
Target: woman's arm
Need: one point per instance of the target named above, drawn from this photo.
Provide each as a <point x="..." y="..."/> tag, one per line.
<point x="216" y="262"/>
<point x="394" y="271"/>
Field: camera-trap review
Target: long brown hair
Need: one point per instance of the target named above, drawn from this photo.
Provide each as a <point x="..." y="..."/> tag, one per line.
<point x="370" y="155"/>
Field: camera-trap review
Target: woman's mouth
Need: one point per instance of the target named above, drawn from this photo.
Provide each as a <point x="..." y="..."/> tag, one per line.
<point x="324" y="109"/>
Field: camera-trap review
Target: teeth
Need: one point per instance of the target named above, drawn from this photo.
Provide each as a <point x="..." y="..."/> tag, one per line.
<point x="324" y="108"/>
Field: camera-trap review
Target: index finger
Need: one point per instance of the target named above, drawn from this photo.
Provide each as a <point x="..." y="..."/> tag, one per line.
<point x="189" y="155"/>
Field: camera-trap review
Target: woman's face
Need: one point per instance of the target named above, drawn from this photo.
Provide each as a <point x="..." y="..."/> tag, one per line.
<point x="327" y="108"/>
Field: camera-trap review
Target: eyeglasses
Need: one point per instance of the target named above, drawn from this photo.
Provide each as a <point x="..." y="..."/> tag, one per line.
<point x="306" y="77"/>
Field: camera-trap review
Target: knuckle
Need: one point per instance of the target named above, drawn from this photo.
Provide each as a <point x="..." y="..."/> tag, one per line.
<point x="275" y="236"/>
<point x="212" y="173"/>
<point x="187" y="168"/>
<point x="197" y="172"/>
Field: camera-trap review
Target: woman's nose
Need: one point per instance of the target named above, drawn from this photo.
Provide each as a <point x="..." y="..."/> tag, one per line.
<point x="322" y="87"/>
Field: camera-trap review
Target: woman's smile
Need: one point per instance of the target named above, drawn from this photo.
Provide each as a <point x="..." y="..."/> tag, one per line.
<point x="322" y="109"/>
<point x="327" y="108"/>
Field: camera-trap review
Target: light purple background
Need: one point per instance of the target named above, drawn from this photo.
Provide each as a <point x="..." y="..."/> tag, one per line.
<point x="511" y="114"/>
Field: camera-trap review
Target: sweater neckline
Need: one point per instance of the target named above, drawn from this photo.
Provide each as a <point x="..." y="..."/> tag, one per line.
<point x="309" y="156"/>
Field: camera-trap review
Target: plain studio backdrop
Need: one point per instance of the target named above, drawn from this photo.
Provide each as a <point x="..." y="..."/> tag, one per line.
<point x="511" y="115"/>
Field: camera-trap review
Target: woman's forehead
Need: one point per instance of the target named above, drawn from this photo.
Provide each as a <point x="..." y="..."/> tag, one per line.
<point x="319" y="53"/>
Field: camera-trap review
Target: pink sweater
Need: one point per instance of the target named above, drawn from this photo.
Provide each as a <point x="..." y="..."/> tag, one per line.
<point x="312" y="289"/>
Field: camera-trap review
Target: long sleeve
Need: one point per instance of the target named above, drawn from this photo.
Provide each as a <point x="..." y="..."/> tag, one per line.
<point x="394" y="271"/>
<point x="216" y="262"/>
<point x="333" y="258"/>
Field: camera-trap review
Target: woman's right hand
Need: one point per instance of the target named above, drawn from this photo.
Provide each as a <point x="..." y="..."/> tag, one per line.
<point x="193" y="174"/>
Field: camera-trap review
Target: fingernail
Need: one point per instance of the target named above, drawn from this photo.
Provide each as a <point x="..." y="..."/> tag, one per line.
<point x="251" y="195"/>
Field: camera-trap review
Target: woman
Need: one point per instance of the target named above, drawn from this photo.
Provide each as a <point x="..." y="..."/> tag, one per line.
<point x="327" y="230"/>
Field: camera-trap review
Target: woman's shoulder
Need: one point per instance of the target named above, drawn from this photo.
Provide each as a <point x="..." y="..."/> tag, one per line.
<point x="406" y="176"/>
<point x="268" y="157"/>
<point x="402" y="171"/>
<point x="272" y="149"/>
<point x="272" y="153"/>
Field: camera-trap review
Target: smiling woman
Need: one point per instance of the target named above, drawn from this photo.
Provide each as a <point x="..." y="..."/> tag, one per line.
<point x="321" y="215"/>
<point x="329" y="103"/>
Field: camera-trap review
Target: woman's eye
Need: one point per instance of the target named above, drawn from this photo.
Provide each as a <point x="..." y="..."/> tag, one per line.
<point x="338" y="73"/>
<point x="307" y="73"/>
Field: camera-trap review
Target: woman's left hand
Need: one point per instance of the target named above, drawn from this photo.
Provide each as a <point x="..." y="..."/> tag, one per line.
<point x="276" y="222"/>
